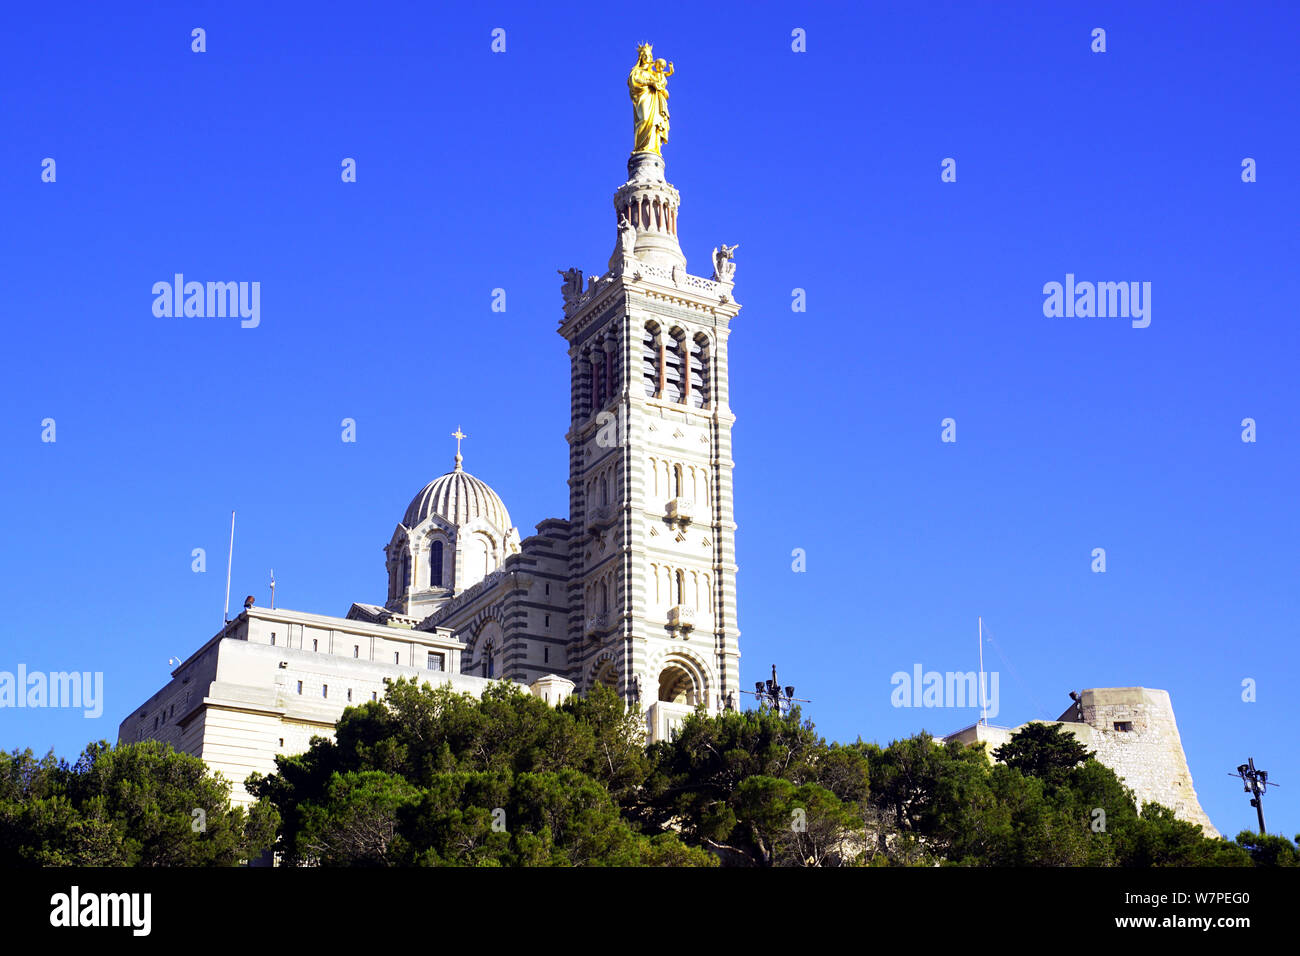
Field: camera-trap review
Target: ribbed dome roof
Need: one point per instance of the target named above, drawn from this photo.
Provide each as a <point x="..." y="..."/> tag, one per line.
<point x="458" y="497"/>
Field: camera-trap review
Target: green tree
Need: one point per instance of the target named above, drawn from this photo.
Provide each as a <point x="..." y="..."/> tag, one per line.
<point x="140" y="804"/>
<point x="1269" y="850"/>
<point x="804" y="825"/>
<point x="696" y="777"/>
<point x="356" y="823"/>
<point x="925" y="789"/>
<point x="618" y="756"/>
<point x="732" y="783"/>
<point x="1161" y="839"/>
<point x="1045" y="751"/>
<point x="430" y="777"/>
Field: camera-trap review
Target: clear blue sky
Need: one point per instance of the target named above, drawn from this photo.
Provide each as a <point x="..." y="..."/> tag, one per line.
<point x="479" y="170"/>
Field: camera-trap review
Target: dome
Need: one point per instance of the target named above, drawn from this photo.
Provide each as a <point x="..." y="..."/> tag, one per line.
<point x="458" y="497"/>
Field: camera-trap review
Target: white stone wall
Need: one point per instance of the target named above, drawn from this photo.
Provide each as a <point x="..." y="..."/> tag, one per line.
<point x="1149" y="758"/>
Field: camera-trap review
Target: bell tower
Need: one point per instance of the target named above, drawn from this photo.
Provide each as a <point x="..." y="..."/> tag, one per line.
<point x="652" y="558"/>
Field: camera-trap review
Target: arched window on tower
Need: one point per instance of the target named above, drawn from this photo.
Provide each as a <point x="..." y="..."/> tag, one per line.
<point x="586" y="384"/>
<point x="699" y="377"/>
<point x="599" y="378"/>
<point x="604" y="490"/>
<point x="489" y="660"/>
<point x="650" y="360"/>
<point x="673" y="375"/>
<point x="435" y="565"/>
<point x="611" y="367"/>
<point x="678" y="484"/>
<point x="681" y="588"/>
<point x="604" y="598"/>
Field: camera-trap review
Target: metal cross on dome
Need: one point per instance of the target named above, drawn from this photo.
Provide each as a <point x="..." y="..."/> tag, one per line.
<point x="458" y="435"/>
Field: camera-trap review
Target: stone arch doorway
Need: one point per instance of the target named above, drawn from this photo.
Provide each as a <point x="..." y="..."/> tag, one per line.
<point x="677" y="686"/>
<point x="606" y="673"/>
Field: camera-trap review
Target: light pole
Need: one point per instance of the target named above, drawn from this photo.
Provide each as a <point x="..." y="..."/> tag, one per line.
<point x="1255" y="783"/>
<point x="771" y="693"/>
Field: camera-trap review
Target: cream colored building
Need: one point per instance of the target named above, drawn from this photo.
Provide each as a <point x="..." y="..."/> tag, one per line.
<point x="271" y="680"/>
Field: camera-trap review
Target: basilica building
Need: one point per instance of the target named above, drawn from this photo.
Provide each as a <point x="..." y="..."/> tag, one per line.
<point x="635" y="589"/>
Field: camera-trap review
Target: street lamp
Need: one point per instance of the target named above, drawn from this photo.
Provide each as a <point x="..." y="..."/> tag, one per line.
<point x="1254" y="782"/>
<point x="772" y="694"/>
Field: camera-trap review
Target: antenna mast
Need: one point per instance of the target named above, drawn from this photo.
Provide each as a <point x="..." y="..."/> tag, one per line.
<point x="984" y="718"/>
<point x="230" y="557"/>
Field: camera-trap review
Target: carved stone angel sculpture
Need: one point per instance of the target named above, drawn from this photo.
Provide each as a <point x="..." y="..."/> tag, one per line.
<point x="572" y="287"/>
<point x="724" y="266"/>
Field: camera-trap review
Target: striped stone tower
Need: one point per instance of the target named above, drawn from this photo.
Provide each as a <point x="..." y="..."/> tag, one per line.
<point x="652" y="565"/>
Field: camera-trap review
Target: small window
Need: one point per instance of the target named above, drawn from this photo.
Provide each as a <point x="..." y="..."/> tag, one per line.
<point x="356" y="650"/>
<point x="315" y="645"/>
<point x="300" y="687"/>
<point x="546" y="655"/>
<point x="1124" y="726"/>
<point x="324" y="690"/>
<point x="273" y="638"/>
<point x="281" y="741"/>
<point x="548" y="588"/>
<point x="155" y="722"/>
<point x="547" y="620"/>
<point x="349" y="695"/>
<point x="436" y="661"/>
<point x="374" y="695"/>
<point x="397" y="657"/>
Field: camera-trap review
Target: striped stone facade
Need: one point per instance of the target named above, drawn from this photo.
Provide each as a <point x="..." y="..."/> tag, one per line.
<point x="652" y="555"/>
<point x="515" y="623"/>
<point x="637" y="589"/>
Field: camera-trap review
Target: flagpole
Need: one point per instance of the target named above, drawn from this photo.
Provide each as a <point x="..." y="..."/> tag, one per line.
<point x="230" y="557"/>
<point x="984" y="719"/>
<point x="273" y="589"/>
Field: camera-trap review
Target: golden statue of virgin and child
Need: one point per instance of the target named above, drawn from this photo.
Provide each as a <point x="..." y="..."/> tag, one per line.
<point x="648" y="85"/>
